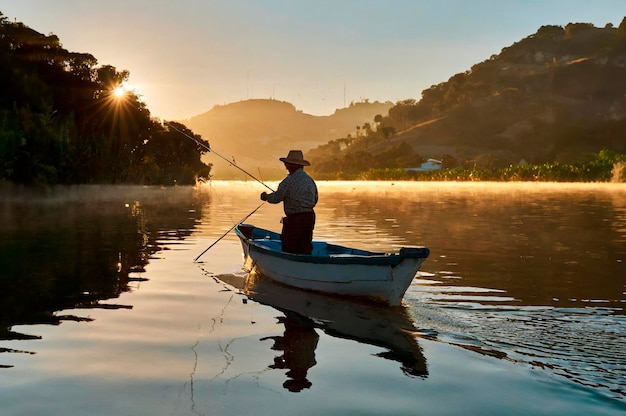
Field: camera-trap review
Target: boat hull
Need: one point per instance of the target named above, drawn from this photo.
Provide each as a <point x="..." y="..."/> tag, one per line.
<point x="380" y="277"/>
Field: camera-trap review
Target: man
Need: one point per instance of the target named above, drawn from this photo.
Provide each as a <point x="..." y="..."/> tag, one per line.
<point x="298" y="193"/>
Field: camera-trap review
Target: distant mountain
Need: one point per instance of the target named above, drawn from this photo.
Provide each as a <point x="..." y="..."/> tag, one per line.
<point x="555" y="96"/>
<point x="257" y="132"/>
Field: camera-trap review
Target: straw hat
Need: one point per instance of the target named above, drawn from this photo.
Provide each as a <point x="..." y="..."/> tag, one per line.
<point x="296" y="157"/>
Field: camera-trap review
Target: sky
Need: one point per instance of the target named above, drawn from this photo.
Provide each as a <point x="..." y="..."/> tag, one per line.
<point x="186" y="56"/>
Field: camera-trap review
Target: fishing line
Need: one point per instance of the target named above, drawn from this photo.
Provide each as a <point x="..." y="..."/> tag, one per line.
<point x="221" y="201"/>
<point x="208" y="148"/>
<point x="231" y="228"/>
<point x="212" y="188"/>
<point x="232" y="163"/>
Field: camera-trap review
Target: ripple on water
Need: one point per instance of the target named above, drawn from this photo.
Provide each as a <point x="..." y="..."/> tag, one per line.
<point x="586" y="345"/>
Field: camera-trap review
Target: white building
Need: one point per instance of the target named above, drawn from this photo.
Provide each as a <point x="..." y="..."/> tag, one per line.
<point x="429" y="165"/>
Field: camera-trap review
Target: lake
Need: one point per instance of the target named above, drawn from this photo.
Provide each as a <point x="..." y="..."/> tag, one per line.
<point x="518" y="310"/>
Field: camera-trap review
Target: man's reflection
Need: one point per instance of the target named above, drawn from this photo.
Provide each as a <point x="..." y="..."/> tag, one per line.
<point x="298" y="345"/>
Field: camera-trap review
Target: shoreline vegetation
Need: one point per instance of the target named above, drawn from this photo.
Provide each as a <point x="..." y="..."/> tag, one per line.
<point x="606" y="166"/>
<point x="65" y="120"/>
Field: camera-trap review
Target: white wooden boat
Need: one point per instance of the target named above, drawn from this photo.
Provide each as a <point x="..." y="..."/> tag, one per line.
<point x="330" y="268"/>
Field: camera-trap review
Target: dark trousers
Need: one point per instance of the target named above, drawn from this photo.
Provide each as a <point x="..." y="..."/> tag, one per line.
<point x="298" y="232"/>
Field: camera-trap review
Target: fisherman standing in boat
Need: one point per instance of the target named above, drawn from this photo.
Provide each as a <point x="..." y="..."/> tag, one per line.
<point x="298" y="193"/>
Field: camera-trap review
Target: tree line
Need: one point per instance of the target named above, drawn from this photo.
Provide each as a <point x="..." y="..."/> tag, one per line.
<point x="391" y="163"/>
<point x="64" y="119"/>
<point x="369" y="156"/>
<point x="605" y="166"/>
<point x="535" y="66"/>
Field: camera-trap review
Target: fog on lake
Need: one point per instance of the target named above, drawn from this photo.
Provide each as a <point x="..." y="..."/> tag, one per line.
<point x="531" y="274"/>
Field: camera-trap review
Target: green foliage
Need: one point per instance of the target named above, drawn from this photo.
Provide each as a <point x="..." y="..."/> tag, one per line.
<point x="555" y="98"/>
<point x="550" y="32"/>
<point x="170" y="158"/>
<point x="601" y="167"/>
<point x="60" y="121"/>
<point x="353" y="163"/>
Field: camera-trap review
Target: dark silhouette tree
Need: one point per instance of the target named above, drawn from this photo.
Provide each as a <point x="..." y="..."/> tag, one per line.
<point x="61" y="121"/>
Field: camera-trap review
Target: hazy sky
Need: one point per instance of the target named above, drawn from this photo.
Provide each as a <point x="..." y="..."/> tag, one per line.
<point x="185" y="56"/>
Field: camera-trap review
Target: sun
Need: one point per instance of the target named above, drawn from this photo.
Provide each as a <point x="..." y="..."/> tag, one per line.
<point x="119" y="92"/>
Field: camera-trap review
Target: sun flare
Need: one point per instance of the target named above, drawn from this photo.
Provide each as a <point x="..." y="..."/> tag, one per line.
<point x="119" y="92"/>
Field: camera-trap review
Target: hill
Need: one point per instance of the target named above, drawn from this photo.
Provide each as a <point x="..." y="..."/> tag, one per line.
<point x="555" y="96"/>
<point x="257" y="132"/>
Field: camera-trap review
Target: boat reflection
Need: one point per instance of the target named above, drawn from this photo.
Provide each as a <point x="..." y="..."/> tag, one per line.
<point x="390" y="328"/>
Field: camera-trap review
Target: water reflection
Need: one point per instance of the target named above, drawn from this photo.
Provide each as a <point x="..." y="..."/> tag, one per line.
<point x="533" y="274"/>
<point x="298" y="344"/>
<point x="530" y="273"/>
<point x="73" y="248"/>
<point x="303" y="312"/>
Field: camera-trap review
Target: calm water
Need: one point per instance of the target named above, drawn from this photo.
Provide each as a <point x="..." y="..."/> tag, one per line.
<point x="519" y="309"/>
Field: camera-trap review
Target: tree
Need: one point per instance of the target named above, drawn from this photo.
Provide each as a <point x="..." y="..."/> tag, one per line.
<point x="400" y="115"/>
<point x="550" y="32"/>
<point x="621" y="29"/>
<point x="388" y="131"/>
<point x="573" y="29"/>
<point x="60" y="121"/>
<point x="173" y="156"/>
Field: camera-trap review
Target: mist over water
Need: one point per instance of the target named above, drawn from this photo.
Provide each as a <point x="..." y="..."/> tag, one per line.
<point x="531" y="273"/>
<point x="98" y="285"/>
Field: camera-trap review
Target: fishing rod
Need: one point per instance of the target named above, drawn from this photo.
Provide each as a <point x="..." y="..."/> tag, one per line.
<point x="208" y="148"/>
<point x="231" y="228"/>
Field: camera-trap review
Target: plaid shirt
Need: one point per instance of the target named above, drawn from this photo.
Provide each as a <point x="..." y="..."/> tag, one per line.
<point x="298" y="192"/>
